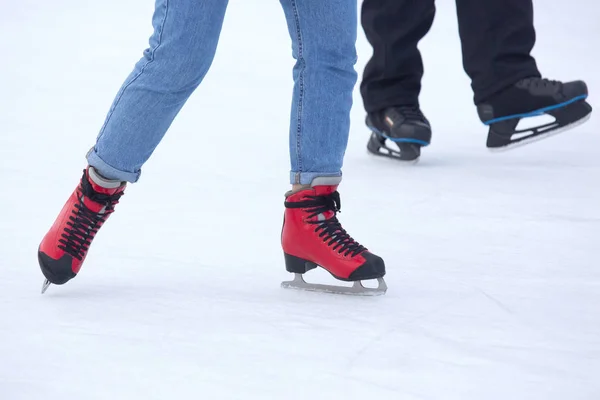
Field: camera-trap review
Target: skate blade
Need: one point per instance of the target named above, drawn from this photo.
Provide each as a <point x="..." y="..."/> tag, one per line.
<point x="357" y="289"/>
<point x="541" y="136"/>
<point x="377" y="146"/>
<point x="395" y="159"/>
<point x="45" y="286"/>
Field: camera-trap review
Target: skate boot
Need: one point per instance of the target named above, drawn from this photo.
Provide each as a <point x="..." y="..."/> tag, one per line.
<point x="533" y="97"/>
<point x="405" y="126"/>
<point x="312" y="236"/>
<point x="65" y="246"/>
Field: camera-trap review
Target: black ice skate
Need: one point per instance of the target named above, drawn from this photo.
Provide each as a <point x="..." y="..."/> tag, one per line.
<point x="532" y="97"/>
<point x="405" y="126"/>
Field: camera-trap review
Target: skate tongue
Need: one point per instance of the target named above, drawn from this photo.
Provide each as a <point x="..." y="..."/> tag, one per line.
<point x="99" y="185"/>
<point x="325" y="185"/>
<point x="325" y="216"/>
<point x="321" y="186"/>
<point x="324" y="190"/>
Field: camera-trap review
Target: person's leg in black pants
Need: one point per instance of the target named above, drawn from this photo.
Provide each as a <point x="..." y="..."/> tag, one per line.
<point x="497" y="37"/>
<point x="394" y="28"/>
<point x="392" y="78"/>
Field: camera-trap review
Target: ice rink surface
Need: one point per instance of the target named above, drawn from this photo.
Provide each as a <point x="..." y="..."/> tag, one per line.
<point x="492" y="259"/>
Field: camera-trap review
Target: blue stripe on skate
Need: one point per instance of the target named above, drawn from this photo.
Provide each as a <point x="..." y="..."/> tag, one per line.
<point x="536" y="113"/>
<point x="400" y="140"/>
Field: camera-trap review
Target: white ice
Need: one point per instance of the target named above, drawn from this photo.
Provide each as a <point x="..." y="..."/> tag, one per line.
<point x="493" y="259"/>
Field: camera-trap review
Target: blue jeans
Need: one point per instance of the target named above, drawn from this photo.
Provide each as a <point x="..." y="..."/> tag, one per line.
<point x="182" y="47"/>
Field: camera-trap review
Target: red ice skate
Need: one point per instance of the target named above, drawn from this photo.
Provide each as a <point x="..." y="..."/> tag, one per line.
<point x="64" y="248"/>
<point x="312" y="236"/>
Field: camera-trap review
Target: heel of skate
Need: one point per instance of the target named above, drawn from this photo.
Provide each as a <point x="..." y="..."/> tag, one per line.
<point x="297" y="265"/>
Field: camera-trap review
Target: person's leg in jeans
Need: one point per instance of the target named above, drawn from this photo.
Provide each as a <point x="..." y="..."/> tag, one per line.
<point x="182" y="47"/>
<point x="181" y="50"/>
<point x="497" y="38"/>
<point x="186" y="33"/>
<point x="323" y="37"/>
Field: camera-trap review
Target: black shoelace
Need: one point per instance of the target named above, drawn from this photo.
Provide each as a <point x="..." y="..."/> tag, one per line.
<point x="412" y="113"/>
<point x="331" y="230"/>
<point x="85" y="223"/>
<point x="538" y="82"/>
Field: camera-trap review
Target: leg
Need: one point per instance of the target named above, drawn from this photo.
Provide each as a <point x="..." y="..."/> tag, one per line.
<point x="323" y="37"/>
<point x="497" y="38"/>
<point x="392" y="78"/>
<point x="394" y="28"/>
<point x="323" y="44"/>
<point x="182" y="47"/>
<point x="181" y="50"/>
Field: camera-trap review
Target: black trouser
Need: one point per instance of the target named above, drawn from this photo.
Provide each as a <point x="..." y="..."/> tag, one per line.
<point x="496" y="36"/>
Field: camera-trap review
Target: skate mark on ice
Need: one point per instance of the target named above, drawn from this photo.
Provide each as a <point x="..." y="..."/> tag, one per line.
<point x="495" y="301"/>
<point x="403" y="392"/>
<point x="352" y="362"/>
